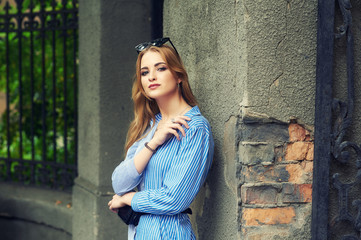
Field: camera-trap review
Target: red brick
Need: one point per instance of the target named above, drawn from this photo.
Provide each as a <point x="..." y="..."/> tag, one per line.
<point x="297" y="151"/>
<point x="261" y="173"/>
<point x="296" y="193"/>
<point x="296" y="132"/>
<point x="310" y="151"/>
<point x="268" y="216"/>
<point x="306" y="192"/>
<point x="300" y="173"/>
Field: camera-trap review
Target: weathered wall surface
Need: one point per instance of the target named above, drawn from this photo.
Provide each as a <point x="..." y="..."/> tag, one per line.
<point x="209" y="38"/>
<point x="252" y="67"/>
<point x="281" y="49"/>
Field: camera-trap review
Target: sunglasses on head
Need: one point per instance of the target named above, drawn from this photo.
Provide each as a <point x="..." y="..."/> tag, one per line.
<point x="156" y="42"/>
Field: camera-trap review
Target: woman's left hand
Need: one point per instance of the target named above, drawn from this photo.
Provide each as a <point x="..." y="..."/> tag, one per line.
<point x="120" y="201"/>
<point x="116" y="203"/>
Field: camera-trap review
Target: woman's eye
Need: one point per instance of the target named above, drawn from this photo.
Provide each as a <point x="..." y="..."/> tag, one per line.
<point x="144" y="73"/>
<point x="162" y="69"/>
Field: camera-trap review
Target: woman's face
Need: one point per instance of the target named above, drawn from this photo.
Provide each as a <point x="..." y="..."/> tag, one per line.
<point x="157" y="80"/>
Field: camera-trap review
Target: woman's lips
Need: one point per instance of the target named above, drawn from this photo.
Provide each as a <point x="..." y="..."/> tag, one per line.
<point x="153" y="86"/>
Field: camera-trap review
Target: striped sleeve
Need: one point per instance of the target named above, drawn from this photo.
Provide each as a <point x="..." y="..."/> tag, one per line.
<point x="184" y="178"/>
<point x="125" y="176"/>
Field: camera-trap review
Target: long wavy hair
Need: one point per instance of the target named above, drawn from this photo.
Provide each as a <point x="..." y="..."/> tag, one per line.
<point x="145" y="108"/>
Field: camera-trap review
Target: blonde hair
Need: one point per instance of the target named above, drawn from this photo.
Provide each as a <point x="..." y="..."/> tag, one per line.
<point x="146" y="108"/>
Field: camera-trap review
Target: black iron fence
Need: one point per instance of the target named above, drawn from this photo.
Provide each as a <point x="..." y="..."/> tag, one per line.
<point x="336" y="205"/>
<point x="38" y="76"/>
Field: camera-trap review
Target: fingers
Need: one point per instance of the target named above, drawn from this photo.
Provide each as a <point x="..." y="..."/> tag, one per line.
<point x="111" y="208"/>
<point x="112" y="203"/>
<point x="181" y="122"/>
<point x="171" y="127"/>
<point x="175" y="133"/>
<point x="182" y="119"/>
<point x="179" y="127"/>
<point x="176" y="119"/>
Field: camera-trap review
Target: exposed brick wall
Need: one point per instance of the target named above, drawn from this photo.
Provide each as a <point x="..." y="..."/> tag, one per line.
<point x="275" y="176"/>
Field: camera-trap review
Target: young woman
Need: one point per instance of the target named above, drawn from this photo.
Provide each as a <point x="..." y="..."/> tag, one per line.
<point x="169" y="147"/>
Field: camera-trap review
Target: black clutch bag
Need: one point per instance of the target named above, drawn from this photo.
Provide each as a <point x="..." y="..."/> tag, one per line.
<point x="129" y="216"/>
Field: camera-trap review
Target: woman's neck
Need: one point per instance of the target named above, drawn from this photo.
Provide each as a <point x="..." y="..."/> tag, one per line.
<point x="172" y="108"/>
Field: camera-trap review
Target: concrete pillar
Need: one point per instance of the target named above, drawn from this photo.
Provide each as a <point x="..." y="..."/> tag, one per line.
<point x="108" y="32"/>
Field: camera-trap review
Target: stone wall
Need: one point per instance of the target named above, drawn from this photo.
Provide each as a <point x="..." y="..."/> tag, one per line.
<point x="252" y="67"/>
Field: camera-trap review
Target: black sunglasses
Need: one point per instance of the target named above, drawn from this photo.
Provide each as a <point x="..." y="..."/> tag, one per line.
<point x="156" y="42"/>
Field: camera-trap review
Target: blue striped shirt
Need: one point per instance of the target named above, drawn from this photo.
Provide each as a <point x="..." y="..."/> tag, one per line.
<point x="170" y="182"/>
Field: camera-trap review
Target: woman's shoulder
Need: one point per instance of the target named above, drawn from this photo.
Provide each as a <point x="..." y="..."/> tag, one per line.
<point x="197" y="119"/>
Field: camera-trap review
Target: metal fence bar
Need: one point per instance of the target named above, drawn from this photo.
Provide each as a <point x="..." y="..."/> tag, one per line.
<point x="333" y="117"/>
<point x="65" y="76"/>
<point x="54" y="24"/>
<point x="31" y="22"/>
<point x="347" y="222"/>
<point x="75" y="40"/>
<point x="7" y="25"/>
<point x="323" y="118"/>
<point x="20" y="47"/>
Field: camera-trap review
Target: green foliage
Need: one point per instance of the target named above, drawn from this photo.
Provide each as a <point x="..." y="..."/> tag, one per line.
<point x="36" y="82"/>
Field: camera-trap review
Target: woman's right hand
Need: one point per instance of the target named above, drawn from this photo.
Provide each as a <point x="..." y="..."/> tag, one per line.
<point x="167" y="129"/>
<point x="164" y="131"/>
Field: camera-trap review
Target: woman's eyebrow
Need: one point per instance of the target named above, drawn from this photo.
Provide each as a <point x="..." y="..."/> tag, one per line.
<point x="155" y="65"/>
<point x="158" y="63"/>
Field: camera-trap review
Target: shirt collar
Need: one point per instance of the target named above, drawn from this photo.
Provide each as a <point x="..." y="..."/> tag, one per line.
<point x="194" y="111"/>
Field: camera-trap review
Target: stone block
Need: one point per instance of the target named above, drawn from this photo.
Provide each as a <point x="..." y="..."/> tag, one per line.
<point x="299" y="173"/>
<point x="256" y="153"/>
<point x="261" y="173"/>
<point x="279" y="153"/>
<point x="262" y="194"/>
<point x="268" y="216"/>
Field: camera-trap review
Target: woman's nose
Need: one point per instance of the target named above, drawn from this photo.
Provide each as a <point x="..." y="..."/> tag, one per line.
<point x="151" y="76"/>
